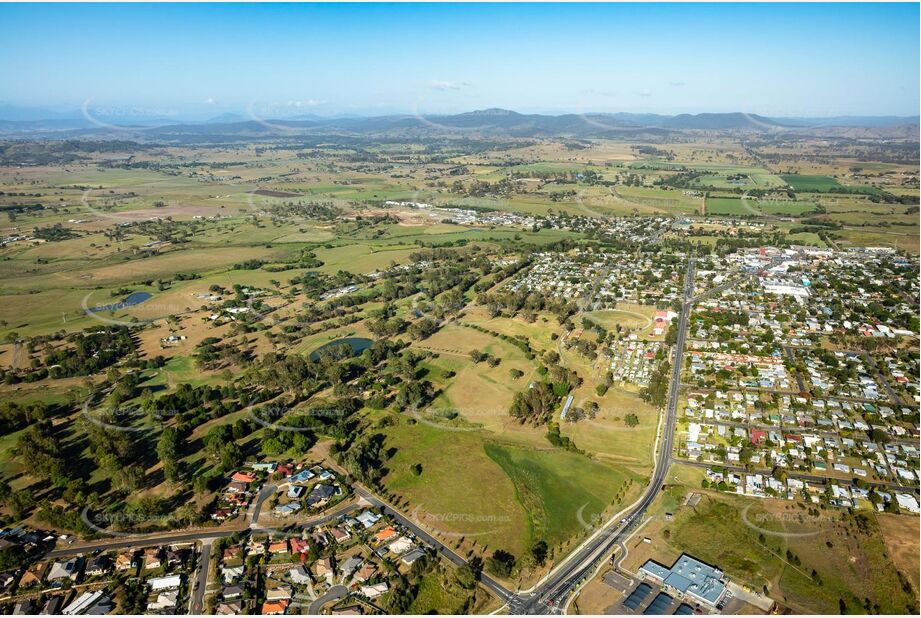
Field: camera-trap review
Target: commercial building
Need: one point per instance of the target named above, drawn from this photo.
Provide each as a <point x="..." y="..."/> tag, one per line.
<point x="690" y="577"/>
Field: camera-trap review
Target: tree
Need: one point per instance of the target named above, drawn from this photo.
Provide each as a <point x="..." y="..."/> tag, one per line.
<point x="424" y="328"/>
<point x="539" y="553"/>
<point x="465" y="577"/>
<point x="477" y="356"/>
<point x="168" y="452"/>
<point x="502" y="563"/>
<point x="12" y="558"/>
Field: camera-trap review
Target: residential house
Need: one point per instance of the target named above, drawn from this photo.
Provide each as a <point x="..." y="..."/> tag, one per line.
<point x="274" y="608"/>
<point x="66" y="569"/>
<point x="33" y="575"/>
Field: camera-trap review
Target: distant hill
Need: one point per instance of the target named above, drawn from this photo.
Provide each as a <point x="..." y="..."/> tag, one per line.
<point x="492" y="122"/>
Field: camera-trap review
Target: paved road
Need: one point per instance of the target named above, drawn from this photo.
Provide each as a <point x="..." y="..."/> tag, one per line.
<point x="799" y="377"/>
<point x="551" y="594"/>
<point x="333" y="594"/>
<point x="167" y="538"/>
<point x="197" y="604"/>
<point x="140" y="541"/>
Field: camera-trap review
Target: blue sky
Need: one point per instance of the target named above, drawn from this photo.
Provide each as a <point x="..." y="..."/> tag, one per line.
<point x="773" y="59"/>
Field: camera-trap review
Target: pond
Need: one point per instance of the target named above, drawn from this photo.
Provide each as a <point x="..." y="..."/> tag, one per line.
<point x="358" y="345"/>
<point x="136" y="298"/>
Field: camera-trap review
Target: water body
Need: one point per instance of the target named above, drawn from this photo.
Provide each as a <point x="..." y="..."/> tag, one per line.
<point x="133" y="299"/>
<point x="357" y="344"/>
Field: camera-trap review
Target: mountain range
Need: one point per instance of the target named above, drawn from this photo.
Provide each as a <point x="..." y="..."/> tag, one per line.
<point x="38" y="122"/>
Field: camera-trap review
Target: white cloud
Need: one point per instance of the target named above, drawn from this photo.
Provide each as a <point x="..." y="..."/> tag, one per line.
<point x="645" y="93"/>
<point x="447" y="85"/>
<point x="676" y="84"/>
<point x="209" y="101"/>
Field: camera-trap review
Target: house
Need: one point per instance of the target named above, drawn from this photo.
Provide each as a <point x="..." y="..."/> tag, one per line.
<point x="160" y="601"/>
<point x="412" y="556"/>
<point x="243" y="477"/>
<point x="300" y="575"/>
<point x="232" y="592"/>
<point x="401" y="545"/>
<point x="279" y="547"/>
<point x="368" y="519"/>
<point x="320" y="495"/>
<point x="175" y="557"/>
<point x="295" y="491"/>
<point x="299" y="546"/>
<point x="67" y="569"/>
<point x="232" y="573"/>
<point x="908" y="503"/>
<point x="319" y="538"/>
<point x="90" y="603"/>
<point x="232" y="553"/>
<point x="278" y="593"/>
<point x="340" y="534"/>
<point x="301" y="477"/>
<point x="52" y="606"/>
<point x="33" y="575"/>
<point x="255" y="548"/>
<point x="98" y="565"/>
<point x="387" y="533"/>
<point x="220" y="514"/>
<point x="23" y="608"/>
<point x="374" y="591"/>
<point x="152" y="558"/>
<point x="167" y="582"/>
<point x="365" y="573"/>
<point x="350" y="565"/>
<point x="232" y="608"/>
<point x="324" y="474"/>
<point x="236" y="488"/>
<point x="274" y="608"/>
<point x="283" y="510"/>
<point x="323" y="567"/>
<point x="6" y="579"/>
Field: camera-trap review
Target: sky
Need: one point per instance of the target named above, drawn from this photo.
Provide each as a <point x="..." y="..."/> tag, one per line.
<point x="369" y="59"/>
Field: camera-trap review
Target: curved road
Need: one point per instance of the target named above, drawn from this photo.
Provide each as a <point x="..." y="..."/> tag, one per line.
<point x="333" y="594"/>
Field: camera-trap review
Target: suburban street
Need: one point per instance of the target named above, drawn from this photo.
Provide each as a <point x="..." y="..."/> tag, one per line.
<point x="197" y="603"/>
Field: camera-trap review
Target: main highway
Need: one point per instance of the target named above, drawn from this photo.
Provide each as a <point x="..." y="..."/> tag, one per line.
<point x="551" y="594"/>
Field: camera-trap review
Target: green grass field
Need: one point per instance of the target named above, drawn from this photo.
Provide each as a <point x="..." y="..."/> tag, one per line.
<point x="810" y="184"/>
<point x="729" y="206"/>
<point x="563" y="493"/>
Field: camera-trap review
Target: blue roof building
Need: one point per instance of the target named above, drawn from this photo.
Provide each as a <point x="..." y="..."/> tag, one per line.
<point x="689" y="576"/>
